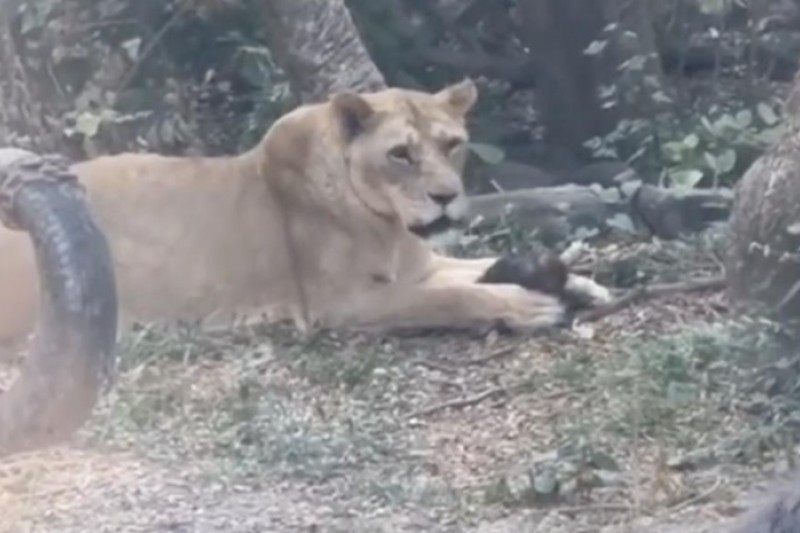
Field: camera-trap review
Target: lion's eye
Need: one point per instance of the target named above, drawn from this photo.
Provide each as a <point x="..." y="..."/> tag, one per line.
<point x="401" y="153"/>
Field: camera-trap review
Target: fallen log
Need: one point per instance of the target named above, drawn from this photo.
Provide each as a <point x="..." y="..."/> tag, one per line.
<point x="556" y="212"/>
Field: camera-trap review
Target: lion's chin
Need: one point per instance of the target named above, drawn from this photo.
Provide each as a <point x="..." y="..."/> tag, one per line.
<point x="439" y="226"/>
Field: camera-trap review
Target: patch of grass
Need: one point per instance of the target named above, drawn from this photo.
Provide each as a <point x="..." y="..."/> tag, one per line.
<point x="574" y="368"/>
<point x="684" y="387"/>
<point x="552" y="477"/>
<point x="294" y="443"/>
<point x="411" y="486"/>
<point x="332" y="358"/>
<point x="701" y="395"/>
<point x="660" y="380"/>
<point x="184" y="343"/>
<point x="329" y="409"/>
<point x="248" y="402"/>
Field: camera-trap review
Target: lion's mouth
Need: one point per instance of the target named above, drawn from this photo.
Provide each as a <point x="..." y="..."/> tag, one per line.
<point x="440" y="225"/>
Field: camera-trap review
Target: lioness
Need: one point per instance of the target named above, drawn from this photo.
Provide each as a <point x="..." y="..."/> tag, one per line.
<point x="320" y="222"/>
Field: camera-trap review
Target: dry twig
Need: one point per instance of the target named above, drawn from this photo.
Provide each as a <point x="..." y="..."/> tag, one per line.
<point x="468" y="401"/>
<point x="650" y="291"/>
<point x="494" y="354"/>
<point x="475" y="361"/>
<point x="697" y="498"/>
<point x="458" y="403"/>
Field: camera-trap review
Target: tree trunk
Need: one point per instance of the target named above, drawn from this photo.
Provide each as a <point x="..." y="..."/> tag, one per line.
<point x="763" y="260"/>
<point x="558" y="33"/>
<point x="22" y="122"/>
<point x="318" y="45"/>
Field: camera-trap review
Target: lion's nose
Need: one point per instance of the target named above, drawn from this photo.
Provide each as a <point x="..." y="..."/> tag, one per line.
<point x="443" y="198"/>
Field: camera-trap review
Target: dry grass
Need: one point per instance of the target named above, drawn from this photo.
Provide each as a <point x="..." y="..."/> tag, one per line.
<point x="656" y="416"/>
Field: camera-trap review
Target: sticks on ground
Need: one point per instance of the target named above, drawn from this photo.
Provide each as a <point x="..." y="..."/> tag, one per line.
<point x="597" y="313"/>
<point x="650" y="291"/>
<point x="458" y="403"/>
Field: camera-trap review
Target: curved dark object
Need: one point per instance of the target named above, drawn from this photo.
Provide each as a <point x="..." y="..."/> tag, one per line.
<point x="536" y="271"/>
<point x="780" y="514"/>
<point x="543" y="272"/>
<point x="73" y="348"/>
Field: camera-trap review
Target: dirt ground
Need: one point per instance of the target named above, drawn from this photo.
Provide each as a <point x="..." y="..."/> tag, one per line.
<point x="634" y="423"/>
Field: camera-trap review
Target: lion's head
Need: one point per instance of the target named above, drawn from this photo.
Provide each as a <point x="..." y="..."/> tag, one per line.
<point x="406" y="152"/>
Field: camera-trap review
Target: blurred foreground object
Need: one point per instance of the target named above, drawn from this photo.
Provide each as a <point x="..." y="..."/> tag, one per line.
<point x="72" y="352"/>
<point x="780" y="514"/>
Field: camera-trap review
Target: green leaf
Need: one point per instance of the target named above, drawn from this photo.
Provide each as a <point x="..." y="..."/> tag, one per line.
<point x="685" y="178"/>
<point x="726" y="161"/>
<point x="595" y="47"/>
<point x="744" y="118"/>
<point x="691" y="141"/>
<point x="622" y="222"/>
<point x="713" y="7"/>
<point x="630" y="187"/>
<point x="545" y="483"/>
<point x="607" y="91"/>
<point x="635" y="63"/>
<point x="88" y="124"/>
<point x="132" y="47"/>
<point x="661" y="98"/>
<point x="769" y="136"/>
<point x="767" y="114"/>
<point x="583" y="233"/>
<point x="673" y="151"/>
<point x="711" y="161"/>
<point x="708" y="126"/>
<point x="633" y="157"/>
<point x="724" y="122"/>
<point x="488" y="153"/>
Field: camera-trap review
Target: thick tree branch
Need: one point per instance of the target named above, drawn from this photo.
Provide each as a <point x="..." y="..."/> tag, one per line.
<point x="318" y="45"/>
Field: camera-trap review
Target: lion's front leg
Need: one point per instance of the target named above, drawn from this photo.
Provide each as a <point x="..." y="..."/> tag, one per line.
<point x="454" y="305"/>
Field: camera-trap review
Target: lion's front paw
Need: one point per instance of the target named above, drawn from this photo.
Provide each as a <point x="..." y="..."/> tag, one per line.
<point x="586" y="292"/>
<point x="528" y="311"/>
<point x="547" y="273"/>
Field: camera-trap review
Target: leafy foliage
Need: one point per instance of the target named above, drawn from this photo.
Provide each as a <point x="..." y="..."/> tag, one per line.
<point x="712" y="146"/>
<point x="721" y="146"/>
<point x="162" y="76"/>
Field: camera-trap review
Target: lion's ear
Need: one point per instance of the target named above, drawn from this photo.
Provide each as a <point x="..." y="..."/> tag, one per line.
<point x="353" y="112"/>
<point x="459" y="98"/>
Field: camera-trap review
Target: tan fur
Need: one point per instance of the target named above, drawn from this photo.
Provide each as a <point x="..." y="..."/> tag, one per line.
<point x="311" y="224"/>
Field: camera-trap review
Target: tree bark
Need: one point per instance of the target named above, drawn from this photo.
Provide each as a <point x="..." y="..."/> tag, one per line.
<point x="779" y="514"/>
<point x="557" y="33"/>
<point x="763" y="260"/>
<point x="22" y="110"/>
<point x="319" y="47"/>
